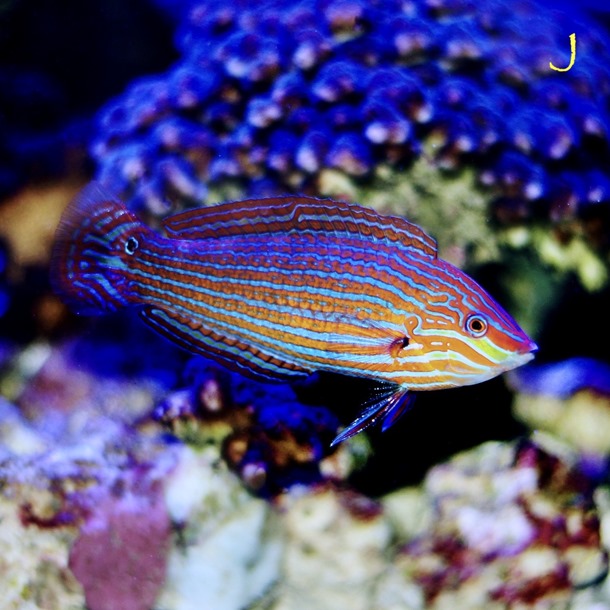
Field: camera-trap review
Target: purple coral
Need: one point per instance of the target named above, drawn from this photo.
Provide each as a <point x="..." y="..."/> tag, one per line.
<point x="272" y="441"/>
<point x="280" y="91"/>
<point x="563" y="379"/>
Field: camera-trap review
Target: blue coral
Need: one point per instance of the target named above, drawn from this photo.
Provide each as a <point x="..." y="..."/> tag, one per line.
<point x="275" y="93"/>
<point x="4" y="287"/>
<point x="564" y="379"/>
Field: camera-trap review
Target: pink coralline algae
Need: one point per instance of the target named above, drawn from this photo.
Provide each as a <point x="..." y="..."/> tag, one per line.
<point x="79" y="471"/>
<point x="267" y="96"/>
<point x="513" y="533"/>
<point x="119" y="556"/>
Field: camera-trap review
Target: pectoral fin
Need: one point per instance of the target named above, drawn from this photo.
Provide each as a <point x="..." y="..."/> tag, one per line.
<point x="389" y="404"/>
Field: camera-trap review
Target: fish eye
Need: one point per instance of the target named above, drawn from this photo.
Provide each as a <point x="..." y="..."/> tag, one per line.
<point x="131" y="245"/>
<point x="476" y="325"/>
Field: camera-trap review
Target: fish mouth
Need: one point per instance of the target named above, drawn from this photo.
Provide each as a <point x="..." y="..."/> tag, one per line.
<point x="517" y="359"/>
<point x="530" y="347"/>
<point x="523" y="356"/>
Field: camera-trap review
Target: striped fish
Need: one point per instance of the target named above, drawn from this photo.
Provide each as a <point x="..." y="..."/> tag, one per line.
<point x="279" y="288"/>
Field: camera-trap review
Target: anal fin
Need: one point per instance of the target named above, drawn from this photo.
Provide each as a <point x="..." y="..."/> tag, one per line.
<point x="229" y="351"/>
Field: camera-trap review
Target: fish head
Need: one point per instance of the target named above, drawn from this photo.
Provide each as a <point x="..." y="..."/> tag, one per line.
<point x="460" y="335"/>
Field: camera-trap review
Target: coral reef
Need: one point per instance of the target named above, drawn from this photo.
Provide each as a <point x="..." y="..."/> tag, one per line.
<point x="114" y="521"/>
<point x="563" y="379"/>
<point x="228" y="546"/>
<point x="267" y="98"/>
<point x="337" y="545"/>
<point x="103" y="510"/>
<point x="512" y="527"/>
<point x="569" y="399"/>
<point x="269" y="439"/>
<point x="97" y="505"/>
<point x="124" y="541"/>
<point x="134" y="476"/>
<point x="81" y="519"/>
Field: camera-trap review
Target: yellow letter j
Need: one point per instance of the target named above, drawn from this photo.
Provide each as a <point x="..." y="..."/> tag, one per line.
<point x="572" y="55"/>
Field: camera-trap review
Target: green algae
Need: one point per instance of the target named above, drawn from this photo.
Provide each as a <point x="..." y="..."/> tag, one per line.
<point x="450" y="206"/>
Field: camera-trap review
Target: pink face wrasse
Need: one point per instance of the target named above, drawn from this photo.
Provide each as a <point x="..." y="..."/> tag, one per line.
<point x="279" y="288"/>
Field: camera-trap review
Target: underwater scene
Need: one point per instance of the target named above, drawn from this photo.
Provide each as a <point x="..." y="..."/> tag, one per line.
<point x="304" y="304"/>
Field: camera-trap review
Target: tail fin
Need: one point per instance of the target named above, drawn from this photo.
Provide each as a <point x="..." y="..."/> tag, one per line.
<point x="89" y="255"/>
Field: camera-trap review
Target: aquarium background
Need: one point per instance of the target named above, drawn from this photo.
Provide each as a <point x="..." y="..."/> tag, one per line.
<point x="134" y="475"/>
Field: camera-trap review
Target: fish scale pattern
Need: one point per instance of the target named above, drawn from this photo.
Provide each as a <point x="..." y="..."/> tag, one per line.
<point x="269" y="95"/>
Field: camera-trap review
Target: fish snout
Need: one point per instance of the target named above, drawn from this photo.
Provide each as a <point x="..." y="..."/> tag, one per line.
<point x="528" y="347"/>
<point x="523" y="355"/>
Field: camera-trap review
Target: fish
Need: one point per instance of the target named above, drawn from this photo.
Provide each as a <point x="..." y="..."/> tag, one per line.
<point x="279" y="288"/>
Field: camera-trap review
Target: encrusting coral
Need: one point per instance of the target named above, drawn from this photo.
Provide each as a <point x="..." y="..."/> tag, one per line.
<point x="569" y="399"/>
<point x="513" y="527"/>
<point x="110" y="518"/>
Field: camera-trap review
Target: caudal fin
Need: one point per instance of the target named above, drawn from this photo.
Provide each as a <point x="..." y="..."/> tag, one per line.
<point x="89" y="256"/>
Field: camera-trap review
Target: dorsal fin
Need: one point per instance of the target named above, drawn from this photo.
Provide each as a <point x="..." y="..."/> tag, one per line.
<point x="302" y="214"/>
